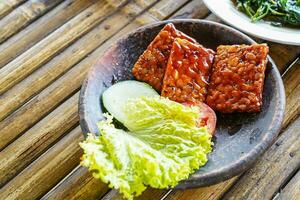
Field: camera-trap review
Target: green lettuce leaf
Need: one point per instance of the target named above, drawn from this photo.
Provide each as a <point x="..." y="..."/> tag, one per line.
<point x="162" y="147"/>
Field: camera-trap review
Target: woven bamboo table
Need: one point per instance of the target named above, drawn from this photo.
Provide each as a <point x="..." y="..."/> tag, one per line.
<point x="46" y="49"/>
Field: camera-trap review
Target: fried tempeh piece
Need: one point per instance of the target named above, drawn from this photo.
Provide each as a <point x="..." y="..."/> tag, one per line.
<point x="187" y="74"/>
<point x="237" y="79"/>
<point x="152" y="64"/>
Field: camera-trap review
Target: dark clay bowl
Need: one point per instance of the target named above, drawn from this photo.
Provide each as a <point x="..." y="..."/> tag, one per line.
<point x="240" y="138"/>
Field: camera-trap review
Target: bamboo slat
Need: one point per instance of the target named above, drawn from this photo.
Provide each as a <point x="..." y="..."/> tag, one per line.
<point x="23" y="15"/>
<point x="23" y="151"/>
<point x="39" y="54"/>
<point x="78" y="185"/>
<point x="292" y="92"/>
<point x="8" y="5"/>
<point x="36" y="31"/>
<point x="149" y="193"/>
<point x="292" y="190"/>
<point x="195" y="9"/>
<point x="30" y="183"/>
<point x="166" y="7"/>
<point x="41" y="104"/>
<point x="283" y="53"/>
<point x="208" y="193"/>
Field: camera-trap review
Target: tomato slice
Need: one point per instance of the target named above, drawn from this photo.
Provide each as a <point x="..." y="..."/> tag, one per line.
<point x="207" y="116"/>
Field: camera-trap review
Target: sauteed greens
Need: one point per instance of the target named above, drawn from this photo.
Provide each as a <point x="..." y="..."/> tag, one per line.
<point x="279" y="12"/>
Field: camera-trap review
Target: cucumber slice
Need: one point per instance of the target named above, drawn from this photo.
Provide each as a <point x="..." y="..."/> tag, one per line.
<point x="116" y="96"/>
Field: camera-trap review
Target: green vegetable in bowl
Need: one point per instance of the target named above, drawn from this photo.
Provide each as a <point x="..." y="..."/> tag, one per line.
<point x="285" y="12"/>
<point x="163" y="146"/>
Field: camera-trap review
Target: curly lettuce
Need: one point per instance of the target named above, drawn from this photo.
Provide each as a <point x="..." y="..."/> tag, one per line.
<point x="162" y="147"/>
